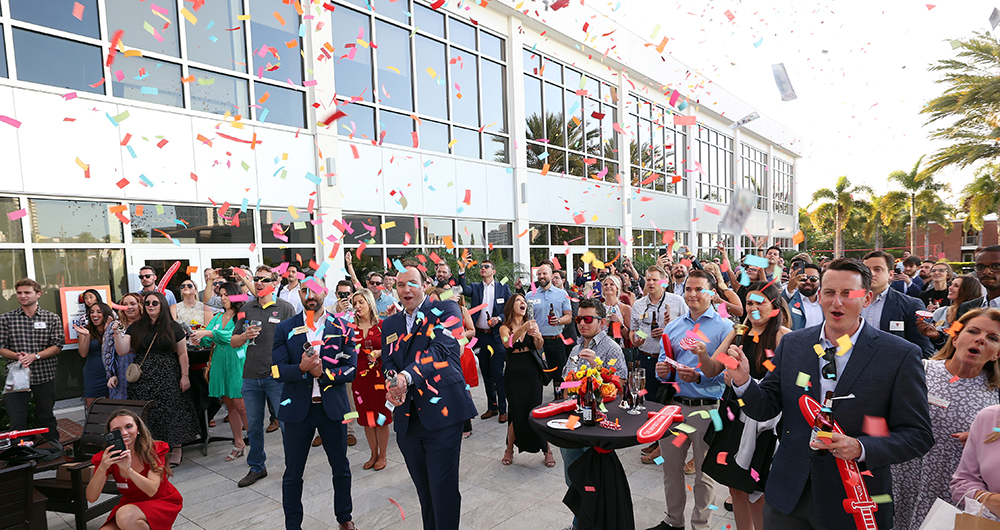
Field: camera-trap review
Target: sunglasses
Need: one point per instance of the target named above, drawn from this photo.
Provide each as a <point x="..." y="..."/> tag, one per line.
<point x="830" y="370"/>
<point x="813" y="279"/>
<point x="485" y="266"/>
<point x="152" y="303"/>
<point x="267" y="279"/>
<point x="587" y="319"/>
<point x="375" y="283"/>
<point x="144" y="276"/>
<point x="187" y="286"/>
<point x="217" y="283"/>
<point x="995" y="267"/>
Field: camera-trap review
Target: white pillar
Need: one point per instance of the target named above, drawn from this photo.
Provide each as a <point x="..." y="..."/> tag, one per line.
<point x="624" y="166"/>
<point x="518" y="133"/>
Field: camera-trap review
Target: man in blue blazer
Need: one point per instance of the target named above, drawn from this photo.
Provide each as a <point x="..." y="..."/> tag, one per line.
<point x="802" y="295"/>
<point x="908" y="281"/>
<point x="423" y="369"/>
<point x="891" y="310"/>
<point x="886" y="378"/>
<point x="490" y="350"/>
<point x="315" y="360"/>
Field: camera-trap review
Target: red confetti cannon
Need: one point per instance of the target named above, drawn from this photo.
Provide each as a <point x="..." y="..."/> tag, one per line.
<point x="658" y="423"/>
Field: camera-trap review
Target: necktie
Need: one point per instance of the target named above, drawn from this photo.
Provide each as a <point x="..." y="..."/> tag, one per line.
<point x="830" y="369"/>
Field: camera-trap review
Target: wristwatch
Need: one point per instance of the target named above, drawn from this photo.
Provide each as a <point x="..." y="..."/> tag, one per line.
<point x="38" y="357"/>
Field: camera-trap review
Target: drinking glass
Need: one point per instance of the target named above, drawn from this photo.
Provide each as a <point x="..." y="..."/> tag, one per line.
<point x="254" y="324"/>
<point x="641" y="375"/>
<point x="633" y="382"/>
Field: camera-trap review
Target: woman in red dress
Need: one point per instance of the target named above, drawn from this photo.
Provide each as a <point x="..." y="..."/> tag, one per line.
<point x="148" y="500"/>
<point x="369" y="383"/>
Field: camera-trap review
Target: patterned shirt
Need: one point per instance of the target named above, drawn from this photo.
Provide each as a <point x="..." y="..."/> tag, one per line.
<point x="19" y="332"/>
<point x="607" y="350"/>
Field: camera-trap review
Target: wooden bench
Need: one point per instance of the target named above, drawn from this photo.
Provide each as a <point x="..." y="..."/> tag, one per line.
<point x="70" y="496"/>
<point x="17" y="499"/>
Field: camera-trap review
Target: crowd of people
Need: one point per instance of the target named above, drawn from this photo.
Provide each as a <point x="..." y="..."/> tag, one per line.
<point x="910" y="343"/>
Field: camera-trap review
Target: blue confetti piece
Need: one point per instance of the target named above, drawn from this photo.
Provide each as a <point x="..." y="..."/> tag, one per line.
<point x="244" y="204"/>
<point x="543" y="156"/>
<point x="381" y="419"/>
<point x="756" y="261"/>
<point x="302" y="30"/>
<point x="658" y="460"/>
<point x="712" y="507"/>
<point x="716" y="420"/>
<point x="757" y="298"/>
<point x="278" y="171"/>
<point x="755" y="314"/>
<point x="176" y="243"/>
<point x="313" y="178"/>
<point x="744" y="278"/>
<point x="112" y="120"/>
<point x="758" y="43"/>
<point x="131" y="151"/>
<point x="437" y="312"/>
<point x="263" y="114"/>
<point x="435" y="399"/>
<point x="150" y="91"/>
<point x="399" y="265"/>
<point x="213" y="38"/>
<point x="209" y="26"/>
<point x="321" y="271"/>
<point x="285" y="402"/>
<point x="146" y="180"/>
<point x="426" y="164"/>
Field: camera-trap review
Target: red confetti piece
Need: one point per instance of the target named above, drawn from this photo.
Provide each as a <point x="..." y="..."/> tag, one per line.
<point x="858" y="293"/>
<point x="721" y="458"/>
<point x="875" y="426"/>
<point x="401" y="514"/>
<point x="589" y="488"/>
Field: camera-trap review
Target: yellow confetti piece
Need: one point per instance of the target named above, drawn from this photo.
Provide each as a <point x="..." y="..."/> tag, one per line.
<point x="844" y="342"/>
<point x="394" y="69"/>
<point x="432" y="72"/>
<point x="802" y="380"/>
<point x="133" y="53"/>
<point x="363" y="43"/>
<point x="351" y="415"/>
<point x="242" y="17"/>
<point x="274" y="371"/>
<point x="294" y="212"/>
<point x="824" y="434"/>
<point x="452" y="143"/>
<point x="819" y="350"/>
<point x="390" y="224"/>
<point x="685" y="428"/>
<point x="82" y="165"/>
<point x="189" y="15"/>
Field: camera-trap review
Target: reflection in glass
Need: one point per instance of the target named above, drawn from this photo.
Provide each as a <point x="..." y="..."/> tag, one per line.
<point x="435" y="230"/>
<point x="497" y="145"/>
<point x="217" y="93"/>
<point x="12" y="269"/>
<point x="531" y="61"/>
<point x="469" y="233"/>
<point x="10" y="231"/>
<point x="592" y="126"/>
<point x="299" y="230"/>
<point x="432" y="91"/>
<point x="395" y="89"/>
<point x="284" y="106"/>
<point x="55" y="268"/>
<point x="3" y="57"/>
<point x="494" y="100"/>
<point x="572" y="234"/>
<point x="428" y="20"/>
<point x="210" y="43"/>
<point x="359" y="122"/>
<point x="461" y="33"/>
<point x="595" y="236"/>
<point x="148" y="80"/>
<point x="397" y="234"/>
<point x="367" y="228"/>
<point x="464" y="87"/>
<point x="491" y="46"/>
<point x="58" y="14"/>
<point x="136" y="19"/>
<point x="267" y="30"/>
<point x="538" y="234"/>
<point x="535" y="129"/>
<point x="467" y="144"/>
<point x="574" y="129"/>
<point x="575" y="165"/>
<point x="394" y="9"/>
<point x="57" y="62"/>
<point x="272" y="257"/>
<point x="57" y="221"/>
<point x="554" y="131"/>
<point x="396" y="128"/>
<point x="353" y="74"/>
<point x="499" y="233"/>
<point x="572" y="79"/>
<point x="434" y="136"/>
<point x="552" y="70"/>
<point x="201" y="224"/>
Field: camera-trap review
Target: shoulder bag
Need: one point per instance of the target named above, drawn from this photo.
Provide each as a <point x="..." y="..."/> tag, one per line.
<point x="134" y="371"/>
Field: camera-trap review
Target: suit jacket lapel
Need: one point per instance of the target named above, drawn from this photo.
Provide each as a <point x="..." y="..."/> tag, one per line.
<point x="407" y="348"/>
<point x="889" y="310"/>
<point x="861" y="355"/>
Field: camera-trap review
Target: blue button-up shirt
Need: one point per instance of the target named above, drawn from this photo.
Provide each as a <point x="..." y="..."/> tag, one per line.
<point x="873" y="313"/>
<point x="716" y="329"/>
<point x="382" y="304"/>
<point x="541" y="299"/>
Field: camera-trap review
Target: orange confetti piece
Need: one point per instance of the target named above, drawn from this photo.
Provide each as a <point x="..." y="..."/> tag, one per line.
<point x="769" y="365"/>
<point x="280" y="19"/>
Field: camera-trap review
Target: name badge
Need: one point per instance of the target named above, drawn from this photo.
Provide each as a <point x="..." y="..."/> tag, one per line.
<point x="941" y="402"/>
<point x="797" y="311"/>
<point x="499" y="300"/>
<point x="40" y="325"/>
<point x="392" y="338"/>
<point x="274" y="320"/>
<point x="896" y="325"/>
<point x="122" y="485"/>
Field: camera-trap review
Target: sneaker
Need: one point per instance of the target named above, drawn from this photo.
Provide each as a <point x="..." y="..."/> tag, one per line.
<point x="251" y="477"/>
<point x="273" y="426"/>
<point x="689" y="467"/>
<point x="651" y="457"/>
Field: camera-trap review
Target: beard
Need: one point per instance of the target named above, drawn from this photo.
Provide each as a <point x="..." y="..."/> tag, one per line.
<point x="679" y="274"/>
<point x="544" y="282"/>
<point x="807" y="292"/>
<point x="312" y="304"/>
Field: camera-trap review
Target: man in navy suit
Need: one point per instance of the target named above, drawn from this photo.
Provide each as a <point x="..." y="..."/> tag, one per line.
<point x="891" y="310"/>
<point x="491" y="352"/>
<point x="908" y="281"/>
<point x="886" y="378"/>
<point x="315" y="360"/>
<point x="423" y="369"/>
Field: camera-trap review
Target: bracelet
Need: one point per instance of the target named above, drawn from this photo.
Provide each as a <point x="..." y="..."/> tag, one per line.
<point x="185" y="375"/>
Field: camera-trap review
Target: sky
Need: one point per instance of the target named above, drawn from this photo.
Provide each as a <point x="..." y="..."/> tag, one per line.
<point x="859" y="68"/>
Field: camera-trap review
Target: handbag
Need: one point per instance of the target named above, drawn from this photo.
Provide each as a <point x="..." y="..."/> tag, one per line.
<point x="134" y="371"/>
<point x="469" y="367"/>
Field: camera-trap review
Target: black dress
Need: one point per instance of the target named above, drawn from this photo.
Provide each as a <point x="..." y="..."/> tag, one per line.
<point x="171" y="418"/>
<point x="728" y="439"/>
<point x="523" y="378"/>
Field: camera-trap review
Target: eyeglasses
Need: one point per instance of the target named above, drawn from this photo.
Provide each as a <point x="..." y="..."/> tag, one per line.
<point x="814" y="279"/>
<point x="939" y="271"/>
<point x="266" y="279"/>
<point x="995" y="267"/>
<point x="144" y="276"/>
<point x="187" y="286"/>
<point x="587" y="319"/>
<point x="151" y="303"/>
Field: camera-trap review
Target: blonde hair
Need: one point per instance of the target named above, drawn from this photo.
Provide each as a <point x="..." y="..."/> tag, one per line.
<point x="991" y="368"/>
<point x="618" y="283"/>
<point x="369" y="298"/>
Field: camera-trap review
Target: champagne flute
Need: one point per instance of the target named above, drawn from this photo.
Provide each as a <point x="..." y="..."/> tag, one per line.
<point x="640" y="374"/>
<point x="633" y="382"/>
<point x="254" y="324"/>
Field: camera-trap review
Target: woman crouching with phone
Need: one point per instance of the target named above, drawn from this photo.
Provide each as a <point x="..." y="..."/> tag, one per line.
<point x="148" y="500"/>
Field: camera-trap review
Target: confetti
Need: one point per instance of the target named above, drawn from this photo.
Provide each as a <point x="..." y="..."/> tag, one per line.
<point x="875" y="426"/>
<point x="401" y="514"/>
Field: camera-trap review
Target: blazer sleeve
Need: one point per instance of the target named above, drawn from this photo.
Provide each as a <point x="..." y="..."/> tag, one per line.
<point x="443" y="346"/>
<point x="763" y="401"/>
<point x="969" y="477"/>
<point x="908" y="419"/>
<point x="505" y="291"/>
<point x="346" y="356"/>
<point x="466" y="288"/>
<point x="288" y="368"/>
<point x="912" y="333"/>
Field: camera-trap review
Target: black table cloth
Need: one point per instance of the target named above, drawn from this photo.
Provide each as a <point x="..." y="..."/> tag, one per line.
<point x="599" y="494"/>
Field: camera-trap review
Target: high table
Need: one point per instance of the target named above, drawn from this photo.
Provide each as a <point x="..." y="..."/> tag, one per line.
<point x="599" y="495"/>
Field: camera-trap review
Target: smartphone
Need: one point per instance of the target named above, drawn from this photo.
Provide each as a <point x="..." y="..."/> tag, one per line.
<point x="663" y="251"/>
<point x="799" y="268"/>
<point x="115" y="441"/>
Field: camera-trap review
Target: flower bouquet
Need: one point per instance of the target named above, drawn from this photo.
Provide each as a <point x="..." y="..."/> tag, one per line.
<point x="602" y="376"/>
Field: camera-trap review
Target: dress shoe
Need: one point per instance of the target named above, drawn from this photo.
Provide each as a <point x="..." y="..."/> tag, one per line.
<point x="503" y="418"/>
<point x="273" y="426"/>
<point x="650" y="448"/>
<point x="728" y="505"/>
<point x="651" y="457"/>
<point x="252" y="476"/>
<point x="488" y="414"/>
<point x="665" y="526"/>
<point x="349" y="525"/>
<point x="689" y="467"/>
<point x="317" y="441"/>
<point x="351" y="440"/>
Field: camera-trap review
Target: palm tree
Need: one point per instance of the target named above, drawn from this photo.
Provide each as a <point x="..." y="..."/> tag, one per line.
<point x="913" y="183"/>
<point x="933" y="210"/>
<point x="837" y="212"/>
<point x="882" y="215"/>
<point x="982" y="196"/>
<point x="973" y="84"/>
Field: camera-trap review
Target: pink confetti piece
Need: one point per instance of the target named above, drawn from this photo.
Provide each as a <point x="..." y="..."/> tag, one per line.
<point x="10" y="121"/>
<point x="239" y="298"/>
<point x="78" y="10"/>
<point x="401" y="514"/>
<point x="14" y="216"/>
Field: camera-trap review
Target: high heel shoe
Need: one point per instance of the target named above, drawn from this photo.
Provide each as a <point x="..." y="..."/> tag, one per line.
<point x="550" y="460"/>
<point x="508" y="457"/>
<point x="236" y="454"/>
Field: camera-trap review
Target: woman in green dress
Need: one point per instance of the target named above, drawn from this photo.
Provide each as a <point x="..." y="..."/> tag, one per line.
<point x="225" y="373"/>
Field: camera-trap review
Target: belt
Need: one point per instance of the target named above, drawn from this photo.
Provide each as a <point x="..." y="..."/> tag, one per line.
<point x="486" y="331"/>
<point x="695" y="402"/>
<point x="551" y="337"/>
<point x="317" y="399"/>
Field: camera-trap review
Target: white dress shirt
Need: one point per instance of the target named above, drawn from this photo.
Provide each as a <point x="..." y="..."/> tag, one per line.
<point x="313" y="336"/>
<point x="489" y="294"/>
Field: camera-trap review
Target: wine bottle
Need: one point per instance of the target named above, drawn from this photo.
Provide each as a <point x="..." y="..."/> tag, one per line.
<point x="823" y="423"/>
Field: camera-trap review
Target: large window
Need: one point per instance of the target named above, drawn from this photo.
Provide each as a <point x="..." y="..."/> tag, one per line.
<point x="163" y="223"/>
<point x="755" y="173"/>
<point x="713" y="162"/>
<point x="570" y="120"/>
<point x="430" y="81"/>
<point x="550" y="241"/>
<point x="654" y="147"/>
<point x="210" y="69"/>
<point x="783" y="174"/>
<point x="647" y="244"/>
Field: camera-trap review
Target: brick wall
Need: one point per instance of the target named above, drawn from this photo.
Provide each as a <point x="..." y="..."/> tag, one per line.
<point x="951" y="243"/>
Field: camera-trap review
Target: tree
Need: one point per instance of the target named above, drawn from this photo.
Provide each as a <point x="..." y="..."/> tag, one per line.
<point x="972" y="98"/>
<point x="882" y="215"/>
<point x="837" y="212"/>
<point x="931" y="209"/>
<point x="982" y="196"/>
<point x="914" y="183"/>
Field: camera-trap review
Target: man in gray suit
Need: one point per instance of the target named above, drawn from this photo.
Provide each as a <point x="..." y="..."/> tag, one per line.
<point x="810" y="493"/>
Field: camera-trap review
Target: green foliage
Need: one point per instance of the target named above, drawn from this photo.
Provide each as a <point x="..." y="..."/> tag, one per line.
<point x="981" y="197"/>
<point x="507" y="271"/>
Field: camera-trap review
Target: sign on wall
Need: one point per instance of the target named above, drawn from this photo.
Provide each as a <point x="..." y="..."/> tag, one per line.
<point x="73" y="310"/>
